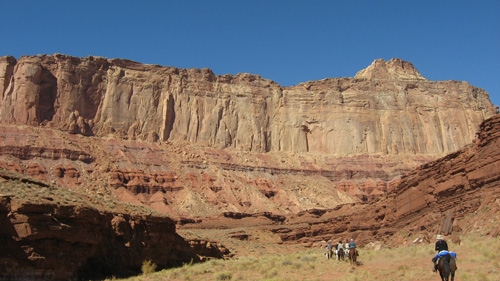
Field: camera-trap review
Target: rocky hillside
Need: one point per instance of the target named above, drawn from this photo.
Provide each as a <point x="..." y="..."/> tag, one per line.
<point x="50" y="233"/>
<point x="456" y="194"/>
<point x="190" y="143"/>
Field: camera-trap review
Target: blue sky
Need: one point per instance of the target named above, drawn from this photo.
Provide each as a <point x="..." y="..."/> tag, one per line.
<point x="286" y="41"/>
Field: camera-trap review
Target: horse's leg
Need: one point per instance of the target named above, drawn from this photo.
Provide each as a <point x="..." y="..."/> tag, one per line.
<point x="352" y="256"/>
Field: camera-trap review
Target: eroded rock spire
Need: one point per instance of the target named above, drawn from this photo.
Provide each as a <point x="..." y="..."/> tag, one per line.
<point x="396" y="69"/>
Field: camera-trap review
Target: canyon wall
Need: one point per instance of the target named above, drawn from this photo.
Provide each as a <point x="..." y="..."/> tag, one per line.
<point x="387" y="108"/>
<point x="187" y="142"/>
<point x="452" y="195"/>
<point x="47" y="233"/>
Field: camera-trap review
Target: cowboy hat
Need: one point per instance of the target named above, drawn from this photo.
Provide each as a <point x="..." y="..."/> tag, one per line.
<point x="439" y="237"/>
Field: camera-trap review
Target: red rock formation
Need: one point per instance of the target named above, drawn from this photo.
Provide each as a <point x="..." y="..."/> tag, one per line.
<point x="234" y="151"/>
<point x="457" y="193"/>
<point x="388" y="108"/>
<point x="239" y="143"/>
<point x="54" y="238"/>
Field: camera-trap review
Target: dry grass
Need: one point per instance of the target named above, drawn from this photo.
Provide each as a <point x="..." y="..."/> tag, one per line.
<point x="478" y="256"/>
<point x="478" y="259"/>
<point x="25" y="189"/>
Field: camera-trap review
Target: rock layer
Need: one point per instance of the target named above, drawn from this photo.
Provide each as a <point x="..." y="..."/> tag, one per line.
<point x="59" y="235"/>
<point x="184" y="180"/>
<point x="455" y="194"/>
<point x="438" y="197"/>
<point x="388" y="108"/>
<point x="189" y="142"/>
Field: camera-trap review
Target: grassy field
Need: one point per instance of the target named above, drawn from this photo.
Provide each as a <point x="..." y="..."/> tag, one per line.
<point x="478" y="256"/>
<point x="478" y="259"/>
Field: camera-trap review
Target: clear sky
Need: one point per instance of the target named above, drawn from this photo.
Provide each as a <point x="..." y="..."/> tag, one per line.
<point x="286" y="41"/>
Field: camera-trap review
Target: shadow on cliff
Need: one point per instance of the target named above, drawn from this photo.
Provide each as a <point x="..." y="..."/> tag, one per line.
<point x="45" y="238"/>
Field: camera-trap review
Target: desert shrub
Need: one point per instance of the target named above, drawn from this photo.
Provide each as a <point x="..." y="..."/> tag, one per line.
<point x="410" y="263"/>
<point x="248" y="263"/>
<point x="223" y="276"/>
<point x="465" y="277"/>
<point x="148" y="267"/>
<point x="308" y="258"/>
<point x="296" y="266"/>
<point x="271" y="273"/>
<point x="482" y="277"/>
<point x="215" y="263"/>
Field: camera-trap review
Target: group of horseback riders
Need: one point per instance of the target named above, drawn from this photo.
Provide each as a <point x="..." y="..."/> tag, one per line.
<point x="441" y="247"/>
<point x="341" y="249"/>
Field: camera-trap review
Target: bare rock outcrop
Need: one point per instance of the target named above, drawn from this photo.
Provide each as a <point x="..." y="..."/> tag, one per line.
<point x="394" y="69"/>
<point x="59" y="235"/>
<point x="185" y="180"/>
<point x="187" y="141"/>
<point x="452" y="195"/>
<point x="388" y="108"/>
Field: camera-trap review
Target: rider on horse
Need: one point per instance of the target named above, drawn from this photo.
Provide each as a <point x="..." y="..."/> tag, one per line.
<point x="442" y="248"/>
<point x="340" y="246"/>
<point x="329" y="251"/>
<point x="352" y="246"/>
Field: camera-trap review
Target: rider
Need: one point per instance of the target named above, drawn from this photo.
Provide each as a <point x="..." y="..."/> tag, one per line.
<point x="340" y="246"/>
<point x="329" y="250"/>
<point x="352" y="246"/>
<point x="442" y="248"/>
<point x="440" y="244"/>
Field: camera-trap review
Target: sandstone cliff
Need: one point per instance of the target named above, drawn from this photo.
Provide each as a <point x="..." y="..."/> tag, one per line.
<point x="190" y="143"/>
<point x="456" y="194"/>
<point x="388" y="108"/>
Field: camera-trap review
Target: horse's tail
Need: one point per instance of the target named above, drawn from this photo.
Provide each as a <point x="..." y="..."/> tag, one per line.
<point x="446" y="264"/>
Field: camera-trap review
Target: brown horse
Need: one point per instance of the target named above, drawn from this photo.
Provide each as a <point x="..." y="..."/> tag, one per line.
<point x="353" y="254"/>
<point x="340" y="254"/>
<point x="446" y="267"/>
<point x="329" y="253"/>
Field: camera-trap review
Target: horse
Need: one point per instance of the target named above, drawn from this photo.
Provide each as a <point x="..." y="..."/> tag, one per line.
<point x="353" y="255"/>
<point x="340" y="254"/>
<point x="329" y="253"/>
<point x="446" y="267"/>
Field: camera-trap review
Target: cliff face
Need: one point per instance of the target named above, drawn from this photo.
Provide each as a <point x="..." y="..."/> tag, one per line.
<point x="388" y="108"/>
<point x="190" y="143"/>
<point x="456" y="194"/>
<point x="51" y="234"/>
